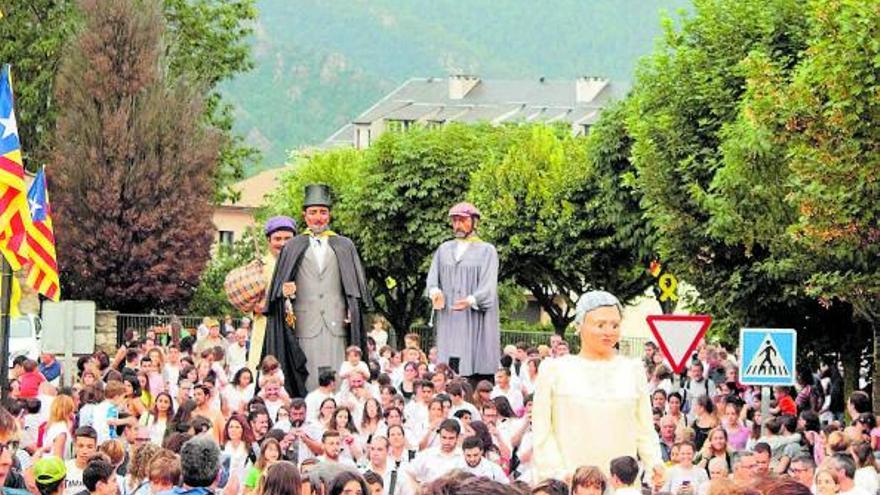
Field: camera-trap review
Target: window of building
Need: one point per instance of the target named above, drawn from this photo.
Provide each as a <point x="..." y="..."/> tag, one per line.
<point x="227" y="237"/>
<point x="585" y="130"/>
<point x="397" y="125"/>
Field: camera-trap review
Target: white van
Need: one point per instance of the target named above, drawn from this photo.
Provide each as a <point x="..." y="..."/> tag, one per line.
<point x="24" y="337"/>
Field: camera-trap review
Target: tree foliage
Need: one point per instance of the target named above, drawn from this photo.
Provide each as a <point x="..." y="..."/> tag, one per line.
<point x="205" y="42"/>
<point x="34" y="34"/>
<point x="209" y="297"/>
<point x="542" y="213"/>
<point x="132" y="165"/>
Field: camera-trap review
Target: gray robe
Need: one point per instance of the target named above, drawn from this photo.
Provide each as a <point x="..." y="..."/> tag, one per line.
<point x="471" y="335"/>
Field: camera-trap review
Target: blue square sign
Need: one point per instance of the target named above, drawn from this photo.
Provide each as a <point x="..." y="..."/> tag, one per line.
<point x="767" y="356"/>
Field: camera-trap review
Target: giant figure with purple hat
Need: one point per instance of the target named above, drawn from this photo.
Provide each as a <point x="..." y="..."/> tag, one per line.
<point x="318" y="296"/>
<point x="463" y="287"/>
<point x="278" y="231"/>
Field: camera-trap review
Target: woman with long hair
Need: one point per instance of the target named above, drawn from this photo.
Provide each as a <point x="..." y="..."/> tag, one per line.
<point x="159" y="418"/>
<point x="738" y="431"/>
<point x="482" y="394"/>
<point x="237" y="440"/>
<point x="408" y="385"/>
<point x="240" y="391"/>
<point x="349" y="483"/>
<point x="57" y="440"/>
<point x="342" y="422"/>
<point x="270" y="452"/>
<point x="137" y="480"/>
<point x="180" y="422"/>
<point x="399" y="452"/>
<point x="133" y="395"/>
<point x="326" y="412"/>
<point x="143" y="378"/>
<point x="430" y="434"/>
<point x="531" y="375"/>
<point x="371" y="420"/>
<point x="705" y="420"/>
<point x="281" y="478"/>
<point x="715" y="446"/>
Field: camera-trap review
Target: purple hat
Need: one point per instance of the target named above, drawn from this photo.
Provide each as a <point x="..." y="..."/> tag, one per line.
<point x="275" y="224"/>
<point x="464" y="210"/>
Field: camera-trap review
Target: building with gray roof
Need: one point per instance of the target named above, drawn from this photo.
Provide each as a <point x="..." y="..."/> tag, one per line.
<point x="469" y="99"/>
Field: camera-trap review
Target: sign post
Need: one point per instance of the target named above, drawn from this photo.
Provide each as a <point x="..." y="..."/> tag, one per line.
<point x="678" y="336"/>
<point x="768" y="357"/>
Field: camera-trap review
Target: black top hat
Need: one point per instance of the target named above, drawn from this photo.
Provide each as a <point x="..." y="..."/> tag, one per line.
<point x="317" y="195"/>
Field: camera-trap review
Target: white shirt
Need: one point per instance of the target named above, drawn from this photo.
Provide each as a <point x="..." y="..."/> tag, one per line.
<point x="465" y="406"/>
<point x="53" y="431"/>
<point x="236" y="359"/>
<point x="855" y="490"/>
<point x="485" y="469"/>
<point x="313" y="403"/>
<point x="73" y="482"/>
<point x="513" y="395"/>
<point x="319" y="246"/>
<point x="431" y="464"/>
<point x="866" y="478"/>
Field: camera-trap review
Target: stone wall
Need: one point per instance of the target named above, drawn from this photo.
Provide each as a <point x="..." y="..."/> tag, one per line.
<point x="105" y="331"/>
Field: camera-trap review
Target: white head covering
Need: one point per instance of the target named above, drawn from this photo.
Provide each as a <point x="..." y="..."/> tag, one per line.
<point x="593" y="300"/>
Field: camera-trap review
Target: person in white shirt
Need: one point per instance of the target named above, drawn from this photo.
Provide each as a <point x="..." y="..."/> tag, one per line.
<point x="326" y="389"/>
<point x="435" y="462"/>
<point x="843" y="465"/>
<point x="352" y="364"/>
<point x="85" y="444"/>
<point x="866" y="473"/>
<point x="473" y="461"/>
<point x="624" y="471"/>
<point x="332" y="443"/>
<point x="504" y="388"/>
<point x="391" y="483"/>
<point x="684" y="477"/>
<point x="236" y="353"/>
<point x="416" y="412"/>
<point x="456" y="393"/>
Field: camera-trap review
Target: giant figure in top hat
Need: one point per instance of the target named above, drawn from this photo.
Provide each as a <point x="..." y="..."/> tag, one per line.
<point x="320" y="288"/>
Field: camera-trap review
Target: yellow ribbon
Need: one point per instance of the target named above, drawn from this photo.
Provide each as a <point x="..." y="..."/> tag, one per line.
<point x="668" y="285"/>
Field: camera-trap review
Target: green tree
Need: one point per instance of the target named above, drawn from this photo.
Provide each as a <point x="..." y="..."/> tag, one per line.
<point x="209" y="297"/>
<point x="540" y="198"/>
<point x="34" y="34"/>
<point x="412" y="179"/>
<point x="206" y="42"/>
<point x="807" y="134"/>
<point x="714" y="182"/>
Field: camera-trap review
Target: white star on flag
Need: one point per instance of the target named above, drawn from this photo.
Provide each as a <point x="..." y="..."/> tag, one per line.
<point x="10" y="127"/>
<point x="35" y="206"/>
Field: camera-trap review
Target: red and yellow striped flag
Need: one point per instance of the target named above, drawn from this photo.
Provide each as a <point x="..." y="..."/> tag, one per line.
<point x="43" y="273"/>
<point x="14" y="215"/>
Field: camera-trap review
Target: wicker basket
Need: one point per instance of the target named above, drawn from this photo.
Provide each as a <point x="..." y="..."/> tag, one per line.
<point x="245" y="286"/>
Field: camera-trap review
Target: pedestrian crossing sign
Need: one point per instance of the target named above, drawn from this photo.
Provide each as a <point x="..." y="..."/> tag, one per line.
<point x="767" y="356"/>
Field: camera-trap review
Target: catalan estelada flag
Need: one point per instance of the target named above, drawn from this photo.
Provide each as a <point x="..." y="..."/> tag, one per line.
<point x="14" y="215"/>
<point x="43" y="274"/>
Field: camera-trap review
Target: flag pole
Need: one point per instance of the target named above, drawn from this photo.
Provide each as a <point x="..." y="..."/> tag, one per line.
<point x="5" y="306"/>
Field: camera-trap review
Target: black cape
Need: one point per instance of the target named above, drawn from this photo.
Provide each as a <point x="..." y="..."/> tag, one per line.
<point x="280" y="340"/>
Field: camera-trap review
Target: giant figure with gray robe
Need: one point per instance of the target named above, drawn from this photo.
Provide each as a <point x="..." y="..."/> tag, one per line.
<point x="330" y="296"/>
<point x="463" y="286"/>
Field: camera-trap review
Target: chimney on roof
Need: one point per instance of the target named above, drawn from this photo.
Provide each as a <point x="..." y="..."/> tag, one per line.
<point x="461" y="85"/>
<point x="587" y="88"/>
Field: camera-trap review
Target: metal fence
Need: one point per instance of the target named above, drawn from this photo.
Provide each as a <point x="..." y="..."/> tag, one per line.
<point x="629" y="346"/>
<point x="135" y="326"/>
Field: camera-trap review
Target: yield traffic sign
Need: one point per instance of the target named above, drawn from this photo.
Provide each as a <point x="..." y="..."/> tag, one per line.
<point x="678" y="335"/>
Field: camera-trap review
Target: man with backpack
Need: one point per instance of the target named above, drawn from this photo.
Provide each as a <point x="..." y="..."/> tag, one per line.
<point x="696" y="386"/>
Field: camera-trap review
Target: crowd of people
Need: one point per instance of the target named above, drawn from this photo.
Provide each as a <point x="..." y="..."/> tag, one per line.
<point x="174" y="413"/>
